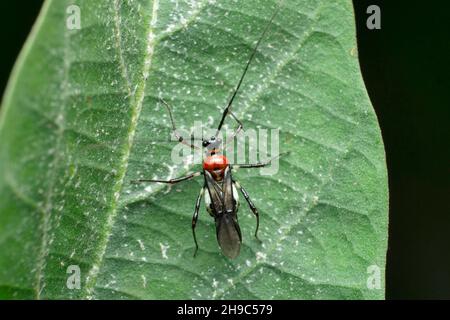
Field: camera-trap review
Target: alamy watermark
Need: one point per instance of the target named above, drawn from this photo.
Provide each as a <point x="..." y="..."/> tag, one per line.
<point x="373" y="277"/>
<point x="73" y="20"/>
<point x="374" y="20"/>
<point x="74" y="279"/>
<point x="250" y="146"/>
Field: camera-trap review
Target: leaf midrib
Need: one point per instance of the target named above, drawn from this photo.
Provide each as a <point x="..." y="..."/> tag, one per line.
<point x="136" y="107"/>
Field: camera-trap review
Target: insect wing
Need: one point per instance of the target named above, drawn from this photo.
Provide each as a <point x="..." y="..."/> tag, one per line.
<point x="227" y="227"/>
<point x="228" y="235"/>
<point x="215" y="193"/>
<point x="227" y="188"/>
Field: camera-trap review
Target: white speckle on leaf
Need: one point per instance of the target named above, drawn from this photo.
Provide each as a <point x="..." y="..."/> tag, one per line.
<point x="260" y="256"/>
<point x="141" y="244"/>
<point x="315" y="200"/>
<point x="164" y="249"/>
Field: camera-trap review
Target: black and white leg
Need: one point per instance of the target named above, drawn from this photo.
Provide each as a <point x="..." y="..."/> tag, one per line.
<point x="251" y="205"/>
<point x="174" y="128"/>
<point x="240" y="125"/>
<point x="257" y="165"/>
<point x="171" y="181"/>
<point x="195" y="217"/>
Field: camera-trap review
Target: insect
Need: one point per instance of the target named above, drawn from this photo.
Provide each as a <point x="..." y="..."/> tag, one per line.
<point x="220" y="189"/>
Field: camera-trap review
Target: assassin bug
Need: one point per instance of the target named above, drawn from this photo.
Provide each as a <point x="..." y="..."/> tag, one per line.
<point x="221" y="196"/>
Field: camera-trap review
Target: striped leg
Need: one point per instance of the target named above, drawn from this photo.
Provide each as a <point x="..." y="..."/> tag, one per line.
<point x="174" y="128"/>
<point x="251" y="205"/>
<point x="171" y="181"/>
<point x="259" y="164"/>
<point x="195" y="217"/>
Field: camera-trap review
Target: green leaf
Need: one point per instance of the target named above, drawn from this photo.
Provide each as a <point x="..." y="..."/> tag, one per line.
<point x="81" y="119"/>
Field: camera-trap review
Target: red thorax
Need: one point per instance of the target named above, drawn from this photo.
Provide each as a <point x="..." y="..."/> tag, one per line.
<point x="215" y="164"/>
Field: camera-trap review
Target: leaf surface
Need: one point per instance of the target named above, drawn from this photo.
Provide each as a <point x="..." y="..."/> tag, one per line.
<point x="80" y="119"/>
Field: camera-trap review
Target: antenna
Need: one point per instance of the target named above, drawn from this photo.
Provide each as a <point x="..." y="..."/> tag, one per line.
<point x="227" y="109"/>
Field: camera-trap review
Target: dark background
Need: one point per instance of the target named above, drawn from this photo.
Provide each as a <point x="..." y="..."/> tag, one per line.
<point x="406" y="69"/>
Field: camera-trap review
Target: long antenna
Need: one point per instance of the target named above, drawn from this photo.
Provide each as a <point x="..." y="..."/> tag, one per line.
<point x="227" y="109"/>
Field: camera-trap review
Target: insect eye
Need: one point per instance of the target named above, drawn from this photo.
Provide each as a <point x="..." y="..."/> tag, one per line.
<point x="205" y="143"/>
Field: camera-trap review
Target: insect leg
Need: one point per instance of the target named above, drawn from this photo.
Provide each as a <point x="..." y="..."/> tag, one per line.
<point x="174" y="128"/>
<point x="195" y="217"/>
<point x="259" y="164"/>
<point x="251" y="205"/>
<point x="238" y="129"/>
<point x="171" y="181"/>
